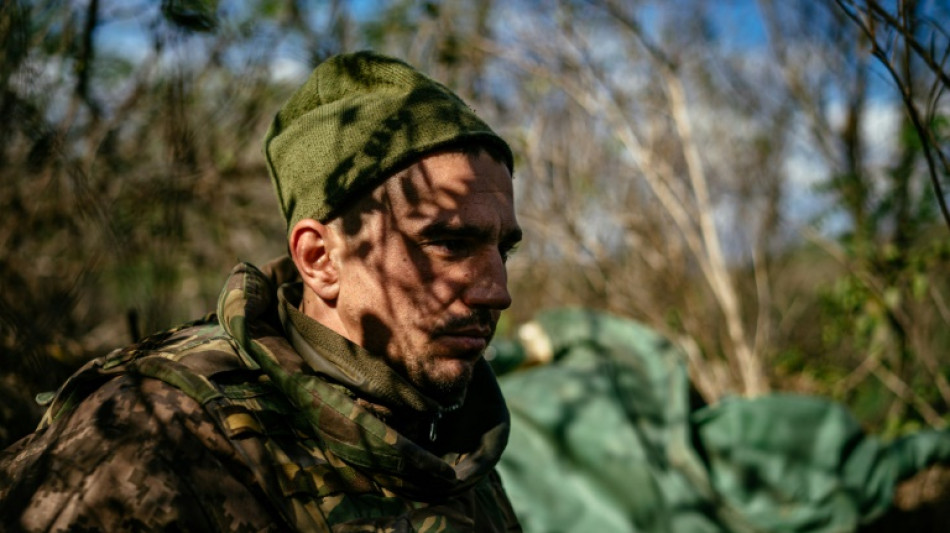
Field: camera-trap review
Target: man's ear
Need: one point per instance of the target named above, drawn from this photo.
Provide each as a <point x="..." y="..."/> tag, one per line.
<point x="311" y="244"/>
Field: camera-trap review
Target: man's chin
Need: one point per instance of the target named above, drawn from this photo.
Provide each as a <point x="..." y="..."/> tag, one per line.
<point x="448" y="382"/>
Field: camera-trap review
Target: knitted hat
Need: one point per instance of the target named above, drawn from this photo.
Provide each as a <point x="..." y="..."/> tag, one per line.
<point x="356" y="121"/>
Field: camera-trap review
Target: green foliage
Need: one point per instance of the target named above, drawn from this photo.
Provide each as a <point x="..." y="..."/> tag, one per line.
<point x="193" y="15"/>
<point x="885" y="309"/>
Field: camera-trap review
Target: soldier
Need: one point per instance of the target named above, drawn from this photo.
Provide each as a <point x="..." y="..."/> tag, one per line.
<point x="342" y="388"/>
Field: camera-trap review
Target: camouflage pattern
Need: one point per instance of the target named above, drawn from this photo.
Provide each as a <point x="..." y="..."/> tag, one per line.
<point x="218" y="426"/>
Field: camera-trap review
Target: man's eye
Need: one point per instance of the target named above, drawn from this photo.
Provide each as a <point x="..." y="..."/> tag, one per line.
<point x="453" y="247"/>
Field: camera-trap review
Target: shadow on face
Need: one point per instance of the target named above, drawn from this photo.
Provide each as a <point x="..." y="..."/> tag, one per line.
<point x="422" y="267"/>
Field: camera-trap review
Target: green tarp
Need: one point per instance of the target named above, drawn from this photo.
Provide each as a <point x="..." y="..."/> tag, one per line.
<point x="605" y="439"/>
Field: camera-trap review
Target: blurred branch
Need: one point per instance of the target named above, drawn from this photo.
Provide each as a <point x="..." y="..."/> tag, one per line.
<point x="872" y="365"/>
<point x="86" y="58"/>
<point x="940" y="303"/>
<point x="749" y="362"/>
<point x="791" y="72"/>
<point x="866" y="18"/>
<point x="688" y="204"/>
<point x="898" y="320"/>
<point x="907" y="395"/>
<point x="907" y="33"/>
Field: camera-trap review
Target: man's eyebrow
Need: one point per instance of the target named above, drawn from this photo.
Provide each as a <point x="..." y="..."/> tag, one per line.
<point x="443" y="228"/>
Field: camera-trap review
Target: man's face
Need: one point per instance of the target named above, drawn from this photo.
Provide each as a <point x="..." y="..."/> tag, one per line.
<point x="422" y="268"/>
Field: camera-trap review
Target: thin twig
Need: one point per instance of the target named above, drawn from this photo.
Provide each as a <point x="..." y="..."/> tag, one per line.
<point x="904" y="89"/>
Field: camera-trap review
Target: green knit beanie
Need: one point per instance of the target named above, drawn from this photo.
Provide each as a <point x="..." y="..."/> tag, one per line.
<point x="356" y="121"/>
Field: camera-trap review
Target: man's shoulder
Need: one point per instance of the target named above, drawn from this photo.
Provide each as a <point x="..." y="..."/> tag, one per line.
<point x="159" y="384"/>
<point x="192" y="343"/>
<point x="134" y="453"/>
<point x="187" y="358"/>
<point x="136" y="439"/>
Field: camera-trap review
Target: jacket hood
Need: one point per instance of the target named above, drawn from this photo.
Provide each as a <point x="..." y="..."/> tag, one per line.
<point x="475" y="434"/>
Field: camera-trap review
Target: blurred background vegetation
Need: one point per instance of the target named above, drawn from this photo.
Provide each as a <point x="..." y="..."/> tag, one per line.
<point x="763" y="182"/>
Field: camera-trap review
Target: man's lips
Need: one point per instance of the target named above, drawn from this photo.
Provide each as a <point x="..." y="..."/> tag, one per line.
<point x="484" y="332"/>
<point x="466" y="340"/>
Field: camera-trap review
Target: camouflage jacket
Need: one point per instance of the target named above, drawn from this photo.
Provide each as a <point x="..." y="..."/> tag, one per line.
<point x="219" y="425"/>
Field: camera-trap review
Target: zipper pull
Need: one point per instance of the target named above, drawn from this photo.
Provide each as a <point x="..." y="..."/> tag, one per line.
<point x="435" y="420"/>
<point x="438" y="416"/>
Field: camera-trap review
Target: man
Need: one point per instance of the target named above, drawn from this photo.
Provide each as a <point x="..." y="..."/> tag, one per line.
<point x="352" y="398"/>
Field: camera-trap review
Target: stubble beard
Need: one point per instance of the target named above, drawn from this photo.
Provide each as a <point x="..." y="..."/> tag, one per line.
<point x="437" y="374"/>
<point x="448" y="386"/>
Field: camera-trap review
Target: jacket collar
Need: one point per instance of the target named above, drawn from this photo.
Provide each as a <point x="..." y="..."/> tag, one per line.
<point x="472" y="437"/>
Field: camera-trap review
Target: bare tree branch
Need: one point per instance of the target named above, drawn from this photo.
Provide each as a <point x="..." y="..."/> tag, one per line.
<point x="928" y="142"/>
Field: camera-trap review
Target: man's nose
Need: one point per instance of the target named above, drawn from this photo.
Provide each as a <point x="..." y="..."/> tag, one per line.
<point x="488" y="287"/>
